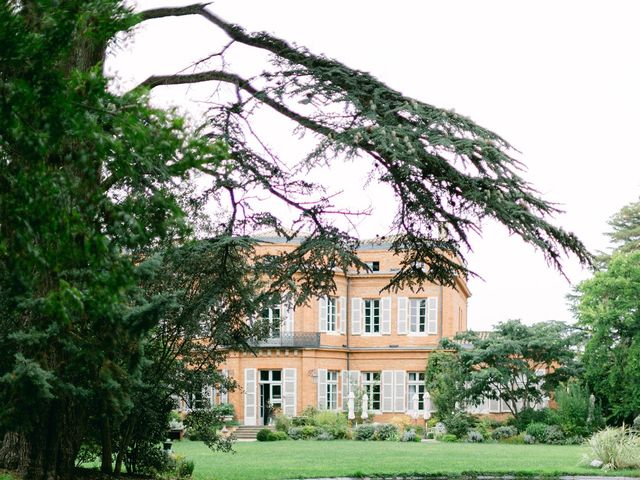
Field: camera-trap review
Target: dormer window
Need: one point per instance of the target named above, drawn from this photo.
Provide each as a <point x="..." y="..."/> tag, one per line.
<point x="373" y="266"/>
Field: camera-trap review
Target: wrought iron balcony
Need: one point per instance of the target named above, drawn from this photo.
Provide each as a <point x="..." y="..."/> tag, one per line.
<point x="290" y="340"/>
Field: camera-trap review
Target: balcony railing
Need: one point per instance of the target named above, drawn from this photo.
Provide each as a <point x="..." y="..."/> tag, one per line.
<point x="291" y="340"/>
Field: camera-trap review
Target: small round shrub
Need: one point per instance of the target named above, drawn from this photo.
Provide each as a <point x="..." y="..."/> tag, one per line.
<point x="538" y="431"/>
<point x="309" y="432"/>
<point x="529" y="439"/>
<point x="448" y="437"/>
<point x="325" y="436"/>
<point x="473" y="436"/>
<point x="295" y="433"/>
<point x="458" y="424"/>
<point x="365" y="431"/>
<point x="554" y="435"/>
<point x="263" y="435"/>
<point x="504" y="432"/>
<point x="283" y="423"/>
<point x="409" y="436"/>
<point x="386" y="431"/>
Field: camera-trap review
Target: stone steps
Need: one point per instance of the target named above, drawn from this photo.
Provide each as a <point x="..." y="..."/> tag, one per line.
<point x="245" y="432"/>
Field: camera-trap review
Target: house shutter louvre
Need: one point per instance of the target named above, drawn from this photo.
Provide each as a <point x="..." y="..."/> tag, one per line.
<point x="386" y="315"/>
<point x="354" y="379"/>
<point x="432" y="315"/>
<point x="288" y="309"/>
<point x="250" y="416"/>
<point x="322" y="314"/>
<point x="344" y="378"/>
<point x="402" y="315"/>
<point x="343" y="314"/>
<point x="289" y="386"/>
<point x="399" y="390"/>
<point x="356" y="316"/>
<point x="387" y="390"/>
<point x="322" y="388"/>
<point x="224" y="394"/>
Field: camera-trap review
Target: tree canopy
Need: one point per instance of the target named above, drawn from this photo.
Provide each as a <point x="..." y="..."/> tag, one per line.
<point x="94" y="185"/>
<point x="516" y="363"/>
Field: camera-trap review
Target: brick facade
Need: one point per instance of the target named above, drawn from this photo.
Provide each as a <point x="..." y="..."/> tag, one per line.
<point x="322" y="336"/>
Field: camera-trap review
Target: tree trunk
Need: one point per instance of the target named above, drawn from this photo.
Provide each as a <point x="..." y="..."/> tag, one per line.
<point x="105" y="434"/>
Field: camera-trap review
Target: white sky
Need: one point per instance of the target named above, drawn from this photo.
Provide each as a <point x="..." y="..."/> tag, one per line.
<point x="558" y="80"/>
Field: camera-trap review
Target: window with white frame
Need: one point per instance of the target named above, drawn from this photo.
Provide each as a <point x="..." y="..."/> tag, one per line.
<point x="372" y="316"/>
<point x="332" y="314"/>
<point x="332" y="390"/>
<point x="371" y="385"/>
<point x="415" y="385"/>
<point x="271" y="316"/>
<point x="418" y="315"/>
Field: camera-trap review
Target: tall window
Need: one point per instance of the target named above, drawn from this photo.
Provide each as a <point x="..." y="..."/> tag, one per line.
<point x="332" y="314"/>
<point x="372" y="316"/>
<point x="371" y="385"/>
<point x="418" y="315"/>
<point x="271" y="317"/>
<point x="415" y="384"/>
<point x="332" y="390"/>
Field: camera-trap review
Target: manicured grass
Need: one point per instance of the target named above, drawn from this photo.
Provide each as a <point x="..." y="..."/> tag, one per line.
<point x="308" y="459"/>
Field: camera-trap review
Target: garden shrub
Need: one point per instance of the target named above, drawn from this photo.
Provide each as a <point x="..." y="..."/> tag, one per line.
<point x="409" y="436"/>
<point x="504" y="432"/>
<point x="575" y="414"/>
<point x="277" y="435"/>
<point x="529" y="439"/>
<point x="386" y="431"/>
<point x="295" y="433"/>
<point x="324" y="435"/>
<point x="574" y="440"/>
<point x="440" y="428"/>
<point x="335" y="423"/>
<point x="224" y="409"/>
<point x="364" y="431"/>
<point x="309" y="432"/>
<point x="202" y="425"/>
<point x="528" y="416"/>
<point x="538" y="431"/>
<point x="459" y="423"/>
<point x="473" y="436"/>
<point x="447" y="437"/>
<point x="419" y="429"/>
<point x="89" y="452"/>
<point x="616" y="448"/>
<point x="303" y="421"/>
<point x="283" y="423"/>
<point x="263" y="435"/>
<point x="554" y="435"/>
<point x="183" y="467"/>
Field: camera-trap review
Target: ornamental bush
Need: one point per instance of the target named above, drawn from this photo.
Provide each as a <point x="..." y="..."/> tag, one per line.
<point x="365" y="431"/>
<point x="538" y="431"/>
<point x="409" y="436"/>
<point x="616" y="448"/>
<point x="459" y="423"/>
<point x="554" y="435"/>
<point x="447" y="437"/>
<point x="501" y="433"/>
<point x="283" y="423"/>
<point x="263" y="435"/>
<point x="386" y="431"/>
<point x="473" y="436"/>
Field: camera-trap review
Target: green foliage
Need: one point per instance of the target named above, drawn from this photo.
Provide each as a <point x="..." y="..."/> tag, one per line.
<point x="575" y="413"/>
<point x="538" y="431"/>
<point x="445" y="378"/>
<point x="459" y="423"/>
<point x="616" y="448"/>
<point x="410" y="436"/>
<point x="513" y="440"/>
<point x="278" y="435"/>
<point x="334" y="423"/>
<point x="306" y="432"/>
<point x="504" y="364"/>
<point x="501" y="433"/>
<point x="386" y="431"/>
<point x="448" y="437"/>
<point x="283" y="423"/>
<point x="303" y="421"/>
<point x="364" y="431"/>
<point x="203" y="425"/>
<point x="224" y="409"/>
<point x="554" y="435"/>
<point x="625" y="224"/>
<point x="531" y="415"/>
<point x="263" y="435"/>
<point x="474" y="436"/>
<point x="608" y="306"/>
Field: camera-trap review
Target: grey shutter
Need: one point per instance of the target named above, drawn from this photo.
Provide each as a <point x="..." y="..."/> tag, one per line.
<point x="322" y="388"/>
<point x="343" y="315"/>
<point x="289" y="318"/>
<point x="344" y="374"/>
<point x="289" y="386"/>
<point x="386" y="315"/>
<point x="356" y="316"/>
<point x="224" y="394"/>
<point x="387" y="390"/>
<point x="250" y="415"/>
<point x="322" y="314"/>
<point x="432" y="315"/>
<point x="402" y="315"/>
<point x="399" y="390"/>
<point x="354" y="379"/>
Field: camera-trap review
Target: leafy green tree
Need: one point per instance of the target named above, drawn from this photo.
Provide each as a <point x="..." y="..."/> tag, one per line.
<point x="625" y="224"/>
<point x="608" y="307"/>
<point x="445" y="379"/>
<point x="93" y="183"/>
<point x="506" y="363"/>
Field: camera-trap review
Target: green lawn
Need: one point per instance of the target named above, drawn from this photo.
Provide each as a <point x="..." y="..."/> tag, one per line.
<point x="307" y="459"/>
